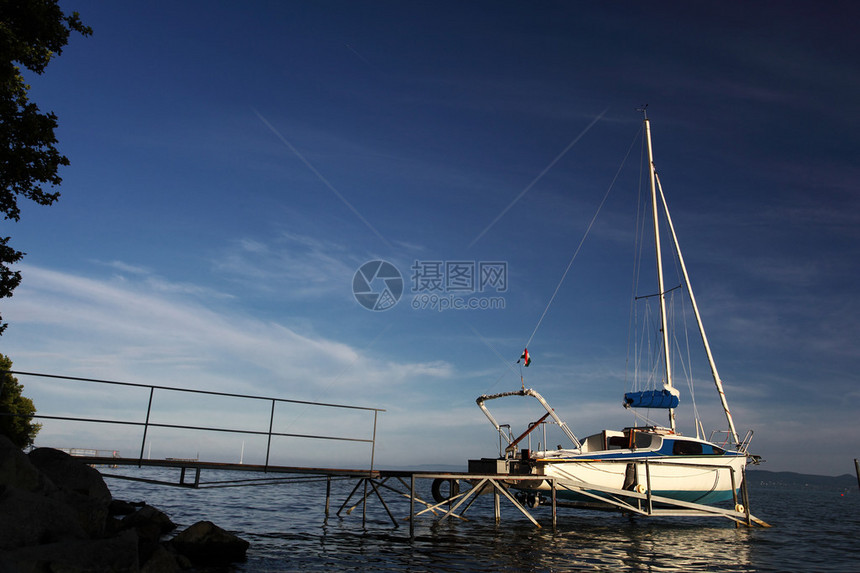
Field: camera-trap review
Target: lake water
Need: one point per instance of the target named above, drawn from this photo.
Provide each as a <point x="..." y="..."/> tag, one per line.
<point x="813" y="530"/>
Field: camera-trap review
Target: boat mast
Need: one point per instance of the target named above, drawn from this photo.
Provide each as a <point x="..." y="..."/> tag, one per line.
<point x="711" y="361"/>
<point x="660" y="289"/>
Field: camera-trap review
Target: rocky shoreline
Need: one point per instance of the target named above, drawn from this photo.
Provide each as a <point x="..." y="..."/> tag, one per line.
<point x="57" y="514"/>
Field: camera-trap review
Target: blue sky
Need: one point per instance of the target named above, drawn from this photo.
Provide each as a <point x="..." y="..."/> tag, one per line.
<point x="232" y="167"/>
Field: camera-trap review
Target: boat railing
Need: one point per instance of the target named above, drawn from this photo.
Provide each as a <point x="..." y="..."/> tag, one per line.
<point x="505" y="438"/>
<point x="508" y="444"/>
<point x="742" y="447"/>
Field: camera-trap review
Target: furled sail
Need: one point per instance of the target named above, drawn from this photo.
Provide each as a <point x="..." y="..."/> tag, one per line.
<point x="666" y="398"/>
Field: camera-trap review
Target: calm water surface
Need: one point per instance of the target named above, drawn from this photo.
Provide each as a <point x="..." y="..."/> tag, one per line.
<point x="288" y="531"/>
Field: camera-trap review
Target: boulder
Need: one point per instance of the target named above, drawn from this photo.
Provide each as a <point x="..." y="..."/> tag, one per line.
<point x="27" y="518"/>
<point x="116" y="554"/>
<point x="17" y="470"/>
<point x="78" y="485"/>
<point x="206" y="543"/>
<point x="120" y="507"/>
<point x="164" y="561"/>
<point x="150" y="524"/>
<point x="57" y="515"/>
<point x="150" y="521"/>
<point x="70" y="474"/>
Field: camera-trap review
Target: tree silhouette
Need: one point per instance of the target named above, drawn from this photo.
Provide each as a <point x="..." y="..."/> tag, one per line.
<point x="16" y="411"/>
<point x="31" y="34"/>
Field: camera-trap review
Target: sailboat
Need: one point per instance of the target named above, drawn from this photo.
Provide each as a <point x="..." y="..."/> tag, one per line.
<point x="637" y="469"/>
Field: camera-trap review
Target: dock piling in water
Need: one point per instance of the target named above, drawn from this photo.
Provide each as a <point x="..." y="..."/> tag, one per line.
<point x="857" y="469"/>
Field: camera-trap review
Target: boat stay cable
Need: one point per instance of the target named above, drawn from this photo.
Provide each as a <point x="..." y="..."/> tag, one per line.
<point x="579" y="247"/>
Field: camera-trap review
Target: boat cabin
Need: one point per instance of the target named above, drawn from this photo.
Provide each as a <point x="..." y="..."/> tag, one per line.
<point x="654" y="439"/>
<point x="629" y="439"/>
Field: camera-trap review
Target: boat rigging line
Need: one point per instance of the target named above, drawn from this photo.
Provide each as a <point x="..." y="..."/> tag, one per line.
<point x="587" y="230"/>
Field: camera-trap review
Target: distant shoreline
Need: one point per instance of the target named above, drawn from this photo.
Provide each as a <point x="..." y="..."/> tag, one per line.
<point x="794" y="479"/>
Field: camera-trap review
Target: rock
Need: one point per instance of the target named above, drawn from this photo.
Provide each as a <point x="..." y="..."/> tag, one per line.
<point x="69" y="474"/>
<point x="149" y="519"/>
<point x="57" y="516"/>
<point x="163" y="561"/>
<point x="17" y="470"/>
<point x="206" y="543"/>
<point x="120" y="507"/>
<point x="27" y="518"/>
<point x="79" y="486"/>
<point x="113" y="555"/>
<point x="150" y="524"/>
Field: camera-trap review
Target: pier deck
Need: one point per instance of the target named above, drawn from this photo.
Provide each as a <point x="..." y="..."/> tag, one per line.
<point x="403" y="484"/>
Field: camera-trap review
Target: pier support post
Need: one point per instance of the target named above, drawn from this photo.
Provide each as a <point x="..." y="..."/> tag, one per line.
<point x="734" y="492"/>
<point x="327" y="494"/>
<point x="412" y="507"/>
<point x="648" y="485"/>
<point x="745" y="496"/>
<point x="857" y="469"/>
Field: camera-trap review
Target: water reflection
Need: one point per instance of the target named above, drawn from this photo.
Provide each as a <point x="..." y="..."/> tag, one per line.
<point x="288" y="531"/>
<point x="603" y="542"/>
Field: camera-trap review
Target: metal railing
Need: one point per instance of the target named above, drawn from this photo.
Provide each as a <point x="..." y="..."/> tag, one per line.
<point x="743" y="446"/>
<point x="147" y="423"/>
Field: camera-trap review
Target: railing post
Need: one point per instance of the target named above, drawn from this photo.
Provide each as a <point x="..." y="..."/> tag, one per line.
<point x="145" y="426"/>
<point x="373" y="442"/>
<point x="648" y="484"/>
<point x="269" y="442"/>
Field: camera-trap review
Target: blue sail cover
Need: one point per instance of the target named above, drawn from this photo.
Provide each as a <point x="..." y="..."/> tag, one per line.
<point x="651" y="399"/>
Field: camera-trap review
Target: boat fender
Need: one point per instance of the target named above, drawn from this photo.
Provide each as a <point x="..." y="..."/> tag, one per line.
<point x="436" y="488"/>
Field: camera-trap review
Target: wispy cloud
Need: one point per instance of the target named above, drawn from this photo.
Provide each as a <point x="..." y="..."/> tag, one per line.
<point x="124" y="329"/>
<point x="321" y="177"/>
<point x="296" y="266"/>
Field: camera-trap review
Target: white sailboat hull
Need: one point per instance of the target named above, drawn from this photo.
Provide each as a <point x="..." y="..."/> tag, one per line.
<point x="705" y="480"/>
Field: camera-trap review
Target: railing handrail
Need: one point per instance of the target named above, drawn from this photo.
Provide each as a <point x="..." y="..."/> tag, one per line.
<point x="194" y="391"/>
<point x="148" y="424"/>
<point x="200" y="428"/>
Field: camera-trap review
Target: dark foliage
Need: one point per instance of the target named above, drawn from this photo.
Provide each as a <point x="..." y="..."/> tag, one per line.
<point x="16" y="411"/>
<point x="32" y="32"/>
